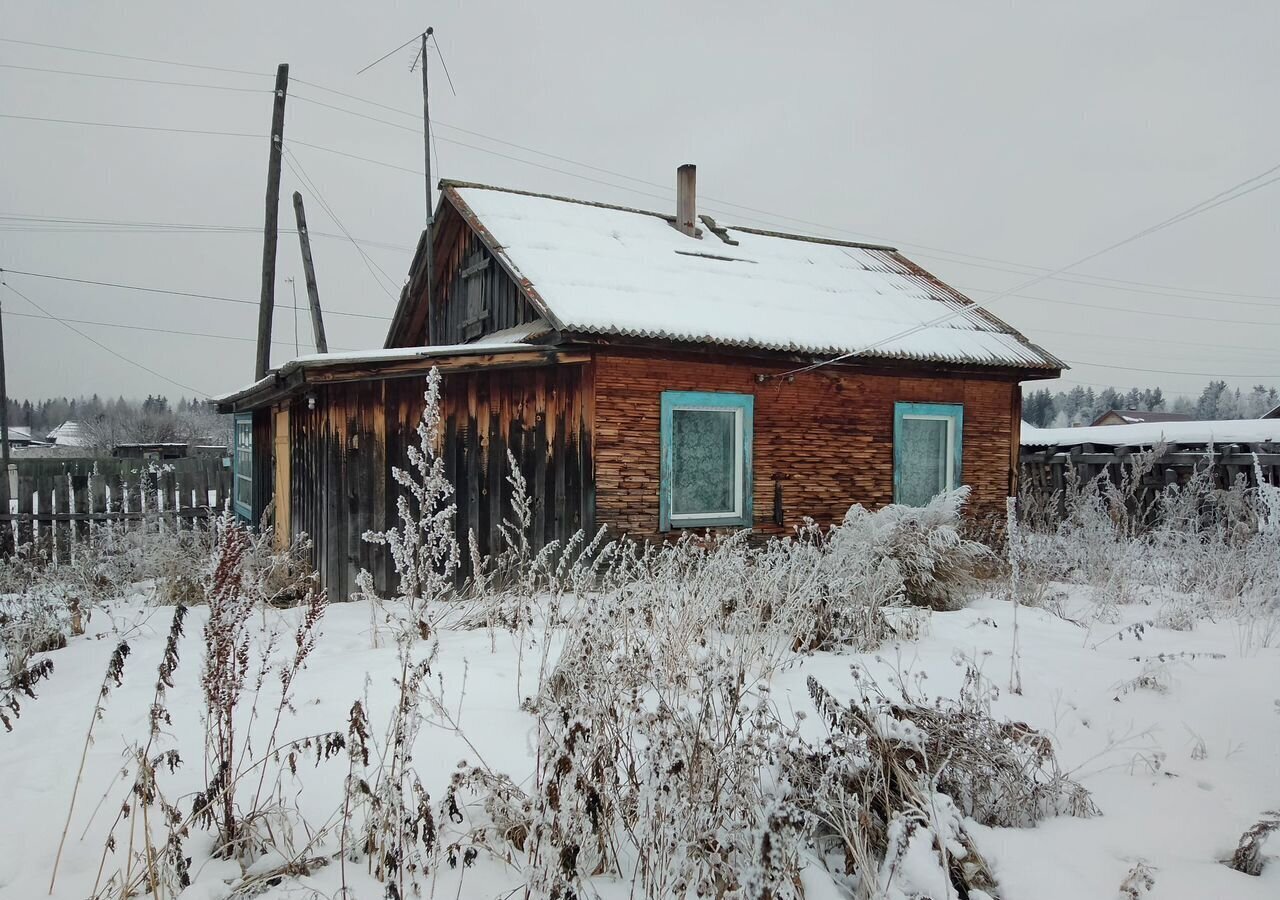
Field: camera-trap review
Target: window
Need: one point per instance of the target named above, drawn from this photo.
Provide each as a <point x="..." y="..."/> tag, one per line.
<point x="242" y="467"/>
<point x="926" y="450"/>
<point x="706" y="459"/>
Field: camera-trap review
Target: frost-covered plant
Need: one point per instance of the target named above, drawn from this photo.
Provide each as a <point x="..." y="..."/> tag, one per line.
<point x="938" y="565"/>
<point x="886" y="791"/>
<point x="423" y="548"/>
<point x="229" y="678"/>
<point x="656" y="731"/>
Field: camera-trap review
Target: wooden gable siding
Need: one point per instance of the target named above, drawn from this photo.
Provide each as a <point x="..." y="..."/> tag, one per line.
<point x="475" y="296"/>
<point x="821" y="442"/>
<point x="343" y="450"/>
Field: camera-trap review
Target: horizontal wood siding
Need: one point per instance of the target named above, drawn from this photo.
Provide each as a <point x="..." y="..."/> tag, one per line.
<point x="822" y="442"/>
<point x="343" y="452"/>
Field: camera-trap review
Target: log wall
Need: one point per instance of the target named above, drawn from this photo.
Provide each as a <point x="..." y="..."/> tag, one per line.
<point x="343" y="450"/>
<point x="822" y="442"/>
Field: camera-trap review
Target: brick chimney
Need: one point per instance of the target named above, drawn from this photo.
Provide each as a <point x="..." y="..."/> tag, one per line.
<point x="686" y="199"/>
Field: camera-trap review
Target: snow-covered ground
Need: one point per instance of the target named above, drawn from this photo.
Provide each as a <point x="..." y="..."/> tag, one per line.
<point x="1176" y="735"/>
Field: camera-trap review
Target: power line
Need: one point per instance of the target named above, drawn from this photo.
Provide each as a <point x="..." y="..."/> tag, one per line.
<point x="190" y="84"/>
<point x="1077" y="362"/>
<point x="569" y="161"/>
<point x="67" y="224"/>
<point x="1171" y="291"/>
<point x="1108" y="308"/>
<point x="162" y="62"/>
<point x="188" y="294"/>
<point x="199" y="334"/>
<point x="1232" y="193"/>
<point x="299" y="172"/>
<point x="1234" y="348"/>
<point x="98" y="343"/>
<point x="200" y="131"/>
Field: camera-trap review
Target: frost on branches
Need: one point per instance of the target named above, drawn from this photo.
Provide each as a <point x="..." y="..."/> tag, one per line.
<point x="423" y="549"/>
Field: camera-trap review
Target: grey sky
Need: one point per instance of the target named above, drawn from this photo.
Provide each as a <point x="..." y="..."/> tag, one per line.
<point x="1032" y="132"/>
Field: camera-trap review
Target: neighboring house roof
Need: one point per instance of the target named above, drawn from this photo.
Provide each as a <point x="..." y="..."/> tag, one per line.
<point x="606" y="270"/>
<point x="1136" y="416"/>
<point x="69" y="434"/>
<point x="1222" y="431"/>
<point x="1272" y="413"/>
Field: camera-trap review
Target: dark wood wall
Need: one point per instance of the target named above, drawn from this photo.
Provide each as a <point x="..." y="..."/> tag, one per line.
<point x="822" y="442"/>
<point x="342" y="452"/>
<point x="475" y="296"/>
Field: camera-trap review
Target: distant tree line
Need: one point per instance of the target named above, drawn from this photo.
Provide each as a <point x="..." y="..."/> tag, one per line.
<point x="110" y="422"/>
<point x="1081" y="405"/>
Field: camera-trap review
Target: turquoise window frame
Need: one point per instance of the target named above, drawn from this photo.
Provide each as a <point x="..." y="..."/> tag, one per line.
<point x="744" y="405"/>
<point x="951" y="411"/>
<point x="242" y="467"/>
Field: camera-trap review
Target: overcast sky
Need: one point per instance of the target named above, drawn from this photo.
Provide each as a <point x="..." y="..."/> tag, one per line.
<point x="1023" y="134"/>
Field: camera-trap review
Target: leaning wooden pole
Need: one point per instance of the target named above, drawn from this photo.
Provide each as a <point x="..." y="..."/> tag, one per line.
<point x="266" y="305"/>
<point x="309" y="270"/>
<point x="6" y="535"/>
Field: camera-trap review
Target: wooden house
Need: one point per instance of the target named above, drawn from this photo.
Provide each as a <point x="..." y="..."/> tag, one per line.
<point x="1137" y="416"/>
<point x="649" y="372"/>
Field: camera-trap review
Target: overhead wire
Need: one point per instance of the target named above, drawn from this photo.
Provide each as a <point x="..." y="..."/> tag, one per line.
<point x="1232" y="193"/>
<point x="159" y="81"/>
<point x="295" y="166"/>
<point x="171" y="331"/>
<point x="99" y="344"/>
<point x="131" y="127"/>
<point x="174" y="293"/>
<point x="578" y="163"/>
<point x="163" y="62"/>
<point x="1058" y="274"/>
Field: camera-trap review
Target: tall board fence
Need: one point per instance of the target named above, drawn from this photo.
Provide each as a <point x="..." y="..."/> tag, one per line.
<point x="1046" y="469"/>
<point x="59" y="503"/>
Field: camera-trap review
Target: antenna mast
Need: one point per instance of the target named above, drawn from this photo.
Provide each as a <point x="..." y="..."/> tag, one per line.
<point x="426" y="124"/>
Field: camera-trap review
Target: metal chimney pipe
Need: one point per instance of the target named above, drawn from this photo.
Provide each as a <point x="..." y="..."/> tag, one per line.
<point x="686" y="199"/>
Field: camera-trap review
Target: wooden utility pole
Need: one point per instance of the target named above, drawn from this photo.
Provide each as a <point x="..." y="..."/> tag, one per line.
<point x="309" y="270"/>
<point x="6" y="535"/>
<point x="426" y="146"/>
<point x="270" y="231"/>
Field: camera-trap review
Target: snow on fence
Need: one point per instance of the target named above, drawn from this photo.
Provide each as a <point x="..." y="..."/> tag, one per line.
<point x="58" y="503"/>
<point x="1226" y="451"/>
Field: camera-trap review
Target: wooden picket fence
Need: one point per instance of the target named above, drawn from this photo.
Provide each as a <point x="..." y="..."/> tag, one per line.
<point x="61" y="503"/>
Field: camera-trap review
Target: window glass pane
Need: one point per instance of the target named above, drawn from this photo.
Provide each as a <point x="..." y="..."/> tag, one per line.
<point x="703" y="464"/>
<point x="923" y="460"/>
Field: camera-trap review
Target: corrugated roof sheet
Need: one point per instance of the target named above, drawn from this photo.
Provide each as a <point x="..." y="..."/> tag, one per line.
<point x="613" y="271"/>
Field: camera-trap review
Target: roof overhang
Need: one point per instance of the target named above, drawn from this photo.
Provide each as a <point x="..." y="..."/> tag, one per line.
<point x="378" y="365"/>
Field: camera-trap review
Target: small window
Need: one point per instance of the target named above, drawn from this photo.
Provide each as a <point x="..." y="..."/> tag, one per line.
<point x="926" y="450"/>
<point x="706" y="459"/>
<point x="242" y="467"/>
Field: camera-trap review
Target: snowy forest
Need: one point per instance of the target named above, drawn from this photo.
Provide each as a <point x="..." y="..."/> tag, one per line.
<point x="110" y="422"/>
<point x="1081" y="405"/>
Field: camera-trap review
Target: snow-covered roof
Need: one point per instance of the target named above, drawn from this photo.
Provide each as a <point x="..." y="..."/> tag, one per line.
<point x="69" y="434"/>
<point x="602" y="269"/>
<point x="499" y="342"/>
<point x="1145" y="434"/>
<point x="1133" y="416"/>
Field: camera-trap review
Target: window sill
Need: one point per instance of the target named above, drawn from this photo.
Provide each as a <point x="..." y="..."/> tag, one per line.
<point x="738" y="522"/>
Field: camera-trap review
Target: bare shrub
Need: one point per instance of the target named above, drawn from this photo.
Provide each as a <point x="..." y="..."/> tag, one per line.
<point x="938" y="565"/>
<point x="1248" y="857"/>
<point x="892" y="778"/>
